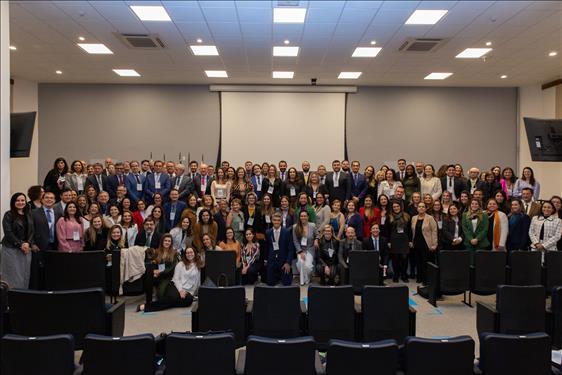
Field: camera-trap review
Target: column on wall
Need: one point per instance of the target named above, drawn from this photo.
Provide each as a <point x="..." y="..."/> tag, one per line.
<point x="4" y="106"/>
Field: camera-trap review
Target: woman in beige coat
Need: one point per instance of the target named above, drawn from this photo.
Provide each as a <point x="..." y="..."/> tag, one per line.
<point x="424" y="241"/>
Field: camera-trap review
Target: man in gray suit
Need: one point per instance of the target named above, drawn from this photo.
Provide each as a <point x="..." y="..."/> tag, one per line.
<point x="182" y="183"/>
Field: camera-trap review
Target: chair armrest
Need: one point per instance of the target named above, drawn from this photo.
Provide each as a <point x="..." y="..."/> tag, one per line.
<point x="195" y="317"/>
<point x="115" y="319"/>
<point x="78" y="370"/>
<point x="241" y="362"/>
<point x="472" y="273"/>
<point x="318" y="366"/>
<point x="412" y="321"/>
<point x="432" y="283"/>
<point x="486" y="318"/>
<point x="476" y="368"/>
<point x="303" y="319"/>
<point x="249" y="307"/>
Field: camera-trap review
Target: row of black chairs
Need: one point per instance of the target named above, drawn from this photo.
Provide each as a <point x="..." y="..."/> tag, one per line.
<point x="214" y="354"/>
<point x="463" y="272"/>
<point x="331" y="313"/>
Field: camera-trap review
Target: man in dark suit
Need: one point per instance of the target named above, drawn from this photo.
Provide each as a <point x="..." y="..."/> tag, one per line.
<point x="358" y="184"/>
<point x="157" y="182"/>
<point x="452" y="184"/>
<point x="135" y="182"/>
<point x="338" y="184"/>
<point x="376" y="242"/>
<point x="202" y="182"/>
<point x="280" y="253"/>
<point x="305" y="172"/>
<point x="193" y="167"/>
<point x="147" y="236"/>
<point x="401" y="172"/>
<point x="65" y="198"/>
<point x="182" y="183"/>
<point x="530" y="207"/>
<point x="283" y="175"/>
<point x="98" y="180"/>
<point x="474" y="182"/>
<point x="44" y="236"/>
<point x="257" y="181"/>
<point x="118" y="179"/>
<point x="173" y="209"/>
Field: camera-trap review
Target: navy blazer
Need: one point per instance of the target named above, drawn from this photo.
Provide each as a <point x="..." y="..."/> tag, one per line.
<point x="150" y="187"/>
<point x="458" y="185"/>
<point x="113" y="183"/>
<point x="343" y="190"/>
<point x="254" y="182"/>
<point x="180" y="206"/>
<point x="286" y="247"/>
<point x="131" y="184"/>
<point x="358" y="189"/>
<point x="41" y="227"/>
<point x="383" y="245"/>
<point x="197" y="185"/>
<point x="92" y="180"/>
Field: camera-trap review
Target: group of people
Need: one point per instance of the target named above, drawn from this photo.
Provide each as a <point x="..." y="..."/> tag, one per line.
<point x="278" y="220"/>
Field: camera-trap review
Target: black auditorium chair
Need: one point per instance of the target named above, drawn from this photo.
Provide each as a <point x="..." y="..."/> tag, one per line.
<point x="47" y="355"/>
<point x="219" y="309"/>
<point x="77" y="312"/>
<point x="220" y="267"/>
<point x="200" y="354"/>
<point x="386" y="314"/>
<point x="439" y="356"/>
<point x="487" y="272"/>
<point x="3" y="307"/>
<point x="296" y="356"/>
<point x="80" y="270"/>
<point x="515" y="354"/>
<point x="552" y="270"/>
<point x="451" y="276"/>
<point x="134" y="288"/>
<point x="525" y="268"/>
<point x="554" y="317"/>
<point x="345" y="357"/>
<point x="518" y="310"/>
<point x="331" y="314"/>
<point x="364" y="269"/>
<point x="277" y="311"/>
<point x="119" y="355"/>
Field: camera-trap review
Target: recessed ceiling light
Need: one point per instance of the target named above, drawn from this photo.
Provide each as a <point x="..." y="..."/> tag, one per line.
<point x="503" y="76"/>
<point x="150" y="13"/>
<point x="283" y="75"/>
<point x="199" y="40"/>
<point x="438" y="75"/>
<point x="488" y="43"/>
<point x="285" y="51"/>
<point x="289" y="15"/>
<point x="95" y="48"/>
<point x="349" y="75"/>
<point x="473" y="53"/>
<point x="204" y="50"/>
<point x="127" y="72"/>
<point x="59" y="72"/>
<point x="373" y="42"/>
<point x="426" y="17"/>
<point x="366" y="52"/>
<point x="216" y="73"/>
<point x="13" y="48"/>
<point x="553" y="53"/>
<point x="286" y="41"/>
<point x="81" y="38"/>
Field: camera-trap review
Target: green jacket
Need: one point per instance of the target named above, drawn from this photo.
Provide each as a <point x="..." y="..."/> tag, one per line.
<point x="481" y="232"/>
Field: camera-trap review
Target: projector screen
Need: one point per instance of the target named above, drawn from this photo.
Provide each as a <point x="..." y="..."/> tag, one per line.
<point x="263" y="126"/>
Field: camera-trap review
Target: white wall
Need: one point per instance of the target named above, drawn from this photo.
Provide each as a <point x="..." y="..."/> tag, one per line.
<point x="24" y="171"/>
<point x="535" y="102"/>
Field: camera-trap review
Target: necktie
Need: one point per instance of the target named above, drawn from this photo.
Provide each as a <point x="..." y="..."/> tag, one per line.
<point x="120" y="178"/>
<point x="337" y="177"/>
<point x="401" y="175"/>
<point x="376" y="243"/>
<point x="526" y="208"/>
<point x="137" y="178"/>
<point x="276" y="235"/>
<point x="51" y="227"/>
<point x="450" y="181"/>
<point x="148" y="240"/>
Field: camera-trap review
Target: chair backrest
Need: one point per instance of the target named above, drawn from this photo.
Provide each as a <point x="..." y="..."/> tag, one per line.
<point x="525" y="267"/>
<point x="3" y="306"/>
<point x="515" y="355"/>
<point x="65" y="271"/>
<point x="439" y="356"/>
<point x="220" y="265"/>
<point x="331" y="313"/>
<point x="43" y="313"/>
<point x="212" y="354"/>
<point x="553" y="266"/>
<point x="276" y="311"/>
<point x="521" y="309"/>
<point x="270" y="356"/>
<point x="489" y="270"/>
<point x="454" y="271"/>
<point x="556" y="308"/>
<point x="345" y="357"/>
<point x="385" y="313"/>
<point x="47" y="355"/>
<point x="223" y="309"/>
<point x="363" y="268"/>
<point x="119" y="355"/>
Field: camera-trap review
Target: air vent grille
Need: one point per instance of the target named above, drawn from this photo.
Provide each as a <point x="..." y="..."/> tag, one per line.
<point x="421" y="45"/>
<point x="143" y="41"/>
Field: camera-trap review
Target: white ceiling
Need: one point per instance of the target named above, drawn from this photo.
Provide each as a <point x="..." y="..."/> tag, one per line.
<point x="523" y="32"/>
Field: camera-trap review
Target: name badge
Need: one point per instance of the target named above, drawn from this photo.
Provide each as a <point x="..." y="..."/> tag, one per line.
<point x="258" y="187"/>
<point x="314" y="194"/>
<point x="400" y="230"/>
<point x="241" y="226"/>
<point x="267" y="219"/>
<point x="383" y="220"/>
<point x="304" y="241"/>
<point x="76" y="235"/>
<point x="80" y="184"/>
<point x="251" y="221"/>
<point x="161" y="267"/>
<point x="275" y="246"/>
<point x="220" y="193"/>
<point x="293" y="192"/>
<point x="440" y="224"/>
<point x="177" y="187"/>
<point x="172" y="215"/>
<point x="270" y="190"/>
<point x="139" y="187"/>
<point x="330" y="252"/>
<point x="157" y="185"/>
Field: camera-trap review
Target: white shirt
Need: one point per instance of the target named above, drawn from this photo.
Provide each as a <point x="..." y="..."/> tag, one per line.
<point x="187" y="279"/>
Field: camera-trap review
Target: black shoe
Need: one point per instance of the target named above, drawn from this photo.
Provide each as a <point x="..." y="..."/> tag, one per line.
<point x="418" y="280"/>
<point x="405" y="279"/>
<point x="395" y="279"/>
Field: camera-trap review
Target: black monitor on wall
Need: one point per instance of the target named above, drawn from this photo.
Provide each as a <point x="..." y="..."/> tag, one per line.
<point x="545" y="139"/>
<point x="21" y="133"/>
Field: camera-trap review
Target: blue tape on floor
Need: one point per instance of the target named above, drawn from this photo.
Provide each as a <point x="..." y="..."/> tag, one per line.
<point x="148" y="313"/>
<point x="436" y="311"/>
<point x="305" y="300"/>
<point x="411" y="302"/>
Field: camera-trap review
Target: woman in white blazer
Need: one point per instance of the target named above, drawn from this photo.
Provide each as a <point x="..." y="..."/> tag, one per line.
<point x="429" y="184"/>
<point x="75" y="179"/>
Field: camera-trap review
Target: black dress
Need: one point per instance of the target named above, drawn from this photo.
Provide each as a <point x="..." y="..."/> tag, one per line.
<point x="421" y="252"/>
